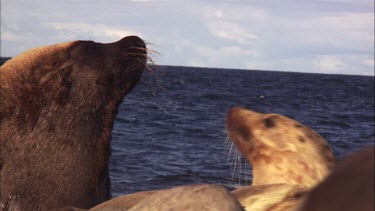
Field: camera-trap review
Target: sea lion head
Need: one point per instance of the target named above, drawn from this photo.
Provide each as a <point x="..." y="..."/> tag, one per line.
<point x="84" y="72"/>
<point x="280" y="149"/>
<point x="57" y="110"/>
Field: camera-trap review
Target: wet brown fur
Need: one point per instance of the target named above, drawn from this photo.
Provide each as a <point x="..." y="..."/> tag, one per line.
<point x="57" y="110"/>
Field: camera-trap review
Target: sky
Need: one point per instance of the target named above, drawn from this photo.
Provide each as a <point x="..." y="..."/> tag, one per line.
<point x="319" y="36"/>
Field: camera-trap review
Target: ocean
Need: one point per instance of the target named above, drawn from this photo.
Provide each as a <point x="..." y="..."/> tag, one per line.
<point x="170" y="129"/>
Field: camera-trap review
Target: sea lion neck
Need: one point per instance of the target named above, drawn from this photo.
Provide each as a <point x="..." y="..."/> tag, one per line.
<point x="287" y="167"/>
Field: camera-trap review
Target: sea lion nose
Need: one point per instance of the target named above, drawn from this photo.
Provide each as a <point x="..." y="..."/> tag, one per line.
<point x="133" y="43"/>
<point x="234" y="114"/>
<point x="131" y="48"/>
<point x="236" y="124"/>
<point x="234" y="110"/>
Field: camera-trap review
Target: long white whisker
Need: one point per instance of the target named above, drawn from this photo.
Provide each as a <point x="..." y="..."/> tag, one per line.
<point x="227" y="142"/>
<point x="161" y="107"/>
<point x="239" y="173"/>
<point x="230" y="151"/>
<point x="246" y="179"/>
<point x="234" y="168"/>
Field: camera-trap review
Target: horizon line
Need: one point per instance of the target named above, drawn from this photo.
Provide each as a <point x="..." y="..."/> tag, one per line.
<point x="241" y="69"/>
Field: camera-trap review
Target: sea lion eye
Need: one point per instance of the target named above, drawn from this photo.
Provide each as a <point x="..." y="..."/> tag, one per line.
<point x="298" y="126"/>
<point x="269" y="122"/>
<point x="301" y="139"/>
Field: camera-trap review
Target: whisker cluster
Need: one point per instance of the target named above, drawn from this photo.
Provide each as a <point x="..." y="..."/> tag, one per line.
<point x="238" y="162"/>
<point x="152" y="74"/>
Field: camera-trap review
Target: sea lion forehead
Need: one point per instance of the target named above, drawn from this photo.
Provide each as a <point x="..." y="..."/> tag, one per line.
<point x="241" y="111"/>
<point x="27" y="60"/>
<point x="60" y="51"/>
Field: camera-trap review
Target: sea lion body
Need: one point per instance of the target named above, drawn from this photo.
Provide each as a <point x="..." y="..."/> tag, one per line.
<point x="204" y="197"/>
<point x="58" y="105"/>
<point x="279" y="149"/>
<point x="124" y="202"/>
<point x="190" y="198"/>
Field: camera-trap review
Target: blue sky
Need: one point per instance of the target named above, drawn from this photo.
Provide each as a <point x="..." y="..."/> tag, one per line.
<point x="321" y="36"/>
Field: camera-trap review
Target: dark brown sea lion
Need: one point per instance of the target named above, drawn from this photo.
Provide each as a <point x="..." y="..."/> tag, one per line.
<point x="279" y="149"/>
<point x="350" y="186"/>
<point x="58" y="105"/>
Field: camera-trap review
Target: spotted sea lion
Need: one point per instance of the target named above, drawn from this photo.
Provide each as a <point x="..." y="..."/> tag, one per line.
<point x="58" y="105"/>
<point x="279" y="149"/>
<point x="190" y="198"/>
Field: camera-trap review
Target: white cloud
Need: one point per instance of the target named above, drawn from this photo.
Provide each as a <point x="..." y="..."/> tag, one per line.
<point x="344" y="64"/>
<point x="348" y="31"/>
<point x="108" y="33"/>
<point x="230" y="31"/>
<point x="369" y="62"/>
<point x="225" y="56"/>
<point x="285" y="35"/>
<point x="231" y="23"/>
<point x="11" y="37"/>
<point x="142" y="1"/>
<point x="328" y="63"/>
<point x="233" y="51"/>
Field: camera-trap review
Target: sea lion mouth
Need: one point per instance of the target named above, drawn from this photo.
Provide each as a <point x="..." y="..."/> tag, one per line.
<point x="137" y="51"/>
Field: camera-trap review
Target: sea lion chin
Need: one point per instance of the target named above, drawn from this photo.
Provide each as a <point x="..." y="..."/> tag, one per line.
<point x="58" y="105"/>
<point x="280" y="149"/>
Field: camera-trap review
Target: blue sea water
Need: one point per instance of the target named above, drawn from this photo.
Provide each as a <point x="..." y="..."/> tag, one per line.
<point x="170" y="129"/>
